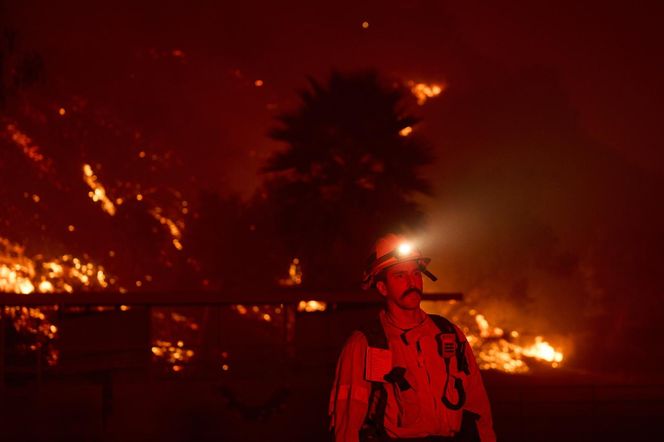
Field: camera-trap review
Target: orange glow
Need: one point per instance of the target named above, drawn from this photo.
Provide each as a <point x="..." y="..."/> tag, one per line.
<point x="45" y="287"/>
<point x="311" y="306"/>
<point x="173" y="228"/>
<point x="20" y="274"/>
<point x="294" y="274"/>
<point x="365" y="25"/>
<point x="543" y="350"/>
<point x="258" y="83"/>
<point x="29" y="148"/>
<point x="98" y="192"/>
<point x="423" y="91"/>
<point x="177" y="355"/>
<point x="406" y="131"/>
<point x="62" y="111"/>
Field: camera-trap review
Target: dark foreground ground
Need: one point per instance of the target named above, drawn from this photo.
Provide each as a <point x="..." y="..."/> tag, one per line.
<point x="279" y="392"/>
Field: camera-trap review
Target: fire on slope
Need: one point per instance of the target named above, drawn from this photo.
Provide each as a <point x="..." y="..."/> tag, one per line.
<point x="22" y="275"/>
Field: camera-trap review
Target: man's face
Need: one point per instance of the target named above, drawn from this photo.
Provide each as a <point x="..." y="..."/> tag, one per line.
<point x="403" y="285"/>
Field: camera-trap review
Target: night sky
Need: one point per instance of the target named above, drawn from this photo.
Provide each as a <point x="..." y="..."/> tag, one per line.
<point x="547" y="136"/>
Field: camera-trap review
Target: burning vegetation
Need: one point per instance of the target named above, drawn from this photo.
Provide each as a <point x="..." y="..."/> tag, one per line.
<point x="496" y="348"/>
<point x="134" y="227"/>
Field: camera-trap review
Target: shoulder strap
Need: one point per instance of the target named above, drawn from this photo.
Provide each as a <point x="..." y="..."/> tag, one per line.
<point x="443" y="324"/>
<point x="373" y="331"/>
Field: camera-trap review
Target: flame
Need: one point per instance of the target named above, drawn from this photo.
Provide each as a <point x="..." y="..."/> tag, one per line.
<point x="173" y="228"/>
<point x="98" y="193"/>
<point x="261" y="312"/>
<point x="423" y="91"/>
<point x="406" y="131"/>
<point x="22" y="275"/>
<point x="175" y="354"/>
<point x="311" y="306"/>
<point x="544" y="351"/>
<point x="507" y="351"/>
<point x="294" y="274"/>
<point x="29" y="148"/>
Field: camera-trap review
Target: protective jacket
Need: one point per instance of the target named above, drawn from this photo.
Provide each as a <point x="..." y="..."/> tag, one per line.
<point x="419" y="399"/>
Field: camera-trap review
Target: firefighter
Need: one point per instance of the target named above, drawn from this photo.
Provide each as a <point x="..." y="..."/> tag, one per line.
<point x="407" y="375"/>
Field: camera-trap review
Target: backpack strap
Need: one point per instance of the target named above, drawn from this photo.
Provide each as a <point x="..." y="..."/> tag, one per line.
<point x="373" y="331"/>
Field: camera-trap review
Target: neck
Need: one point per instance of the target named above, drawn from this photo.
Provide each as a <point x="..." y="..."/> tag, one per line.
<point x="404" y="318"/>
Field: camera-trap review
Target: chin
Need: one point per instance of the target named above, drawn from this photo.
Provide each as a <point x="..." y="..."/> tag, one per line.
<point x="411" y="304"/>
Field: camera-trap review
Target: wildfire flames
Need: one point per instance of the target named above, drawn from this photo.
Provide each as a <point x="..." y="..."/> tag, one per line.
<point x="174" y="354"/>
<point x="23" y="275"/>
<point x="423" y="91"/>
<point x="497" y="349"/>
<point x="97" y="192"/>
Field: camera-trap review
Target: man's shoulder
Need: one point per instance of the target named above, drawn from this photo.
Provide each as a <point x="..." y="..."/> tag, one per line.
<point x="356" y="338"/>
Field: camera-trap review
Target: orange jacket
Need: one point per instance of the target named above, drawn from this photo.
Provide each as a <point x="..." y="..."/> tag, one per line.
<point x="417" y="411"/>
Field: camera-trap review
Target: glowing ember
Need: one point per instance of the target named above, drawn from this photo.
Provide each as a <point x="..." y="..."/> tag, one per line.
<point x="264" y="313"/>
<point x="33" y="324"/>
<point x="98" y="193"/>
<point x="423" y="91"/>
<point x="22" y="275"/>
<point x="175" y="354"/>
<point x="311" y="306"/>
<point x="173" y="228"/>
<point x="29" y="148"/>
<point x="294" y="274"/>
<point x="406" y="131"/>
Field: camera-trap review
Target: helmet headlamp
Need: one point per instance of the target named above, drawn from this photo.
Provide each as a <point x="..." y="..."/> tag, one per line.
<point x="404" y="249"/>
<point x="390" y="250"/>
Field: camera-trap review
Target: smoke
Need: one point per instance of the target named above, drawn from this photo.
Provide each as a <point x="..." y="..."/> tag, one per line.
<point x="542" y="227"/>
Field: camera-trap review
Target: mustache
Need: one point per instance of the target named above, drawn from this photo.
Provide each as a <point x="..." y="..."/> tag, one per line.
<point x="411" y="290"/>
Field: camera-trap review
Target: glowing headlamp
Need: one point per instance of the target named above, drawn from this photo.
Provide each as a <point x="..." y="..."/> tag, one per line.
<point x="404" y="249"/>
<point x="391" y="250"/>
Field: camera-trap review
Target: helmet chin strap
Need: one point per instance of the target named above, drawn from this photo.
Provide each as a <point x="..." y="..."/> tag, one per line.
<point x="429" y="275"/>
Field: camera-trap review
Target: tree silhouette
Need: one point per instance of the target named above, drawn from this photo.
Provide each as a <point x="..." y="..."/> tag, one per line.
<point x="232" y="245"/>
<point x="347" y="173"/>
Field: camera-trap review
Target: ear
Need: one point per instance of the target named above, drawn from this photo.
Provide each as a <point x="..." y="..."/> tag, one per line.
<point x="382" y="289"/>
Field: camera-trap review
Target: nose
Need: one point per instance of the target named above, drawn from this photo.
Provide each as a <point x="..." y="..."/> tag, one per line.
<point x="410" y="279"/>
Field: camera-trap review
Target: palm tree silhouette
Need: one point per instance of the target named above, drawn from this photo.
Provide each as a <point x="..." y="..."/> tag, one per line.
<point x="347" y="173"/>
